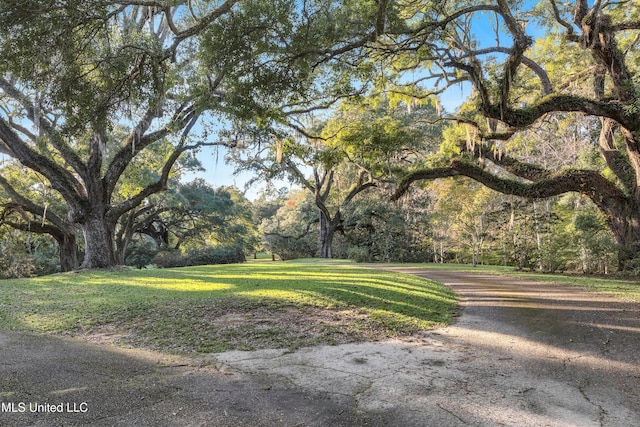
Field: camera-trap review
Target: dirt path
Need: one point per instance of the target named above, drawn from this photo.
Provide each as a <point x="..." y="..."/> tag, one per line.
<point x="521" y="354"/>
<point x="540" y="354"/>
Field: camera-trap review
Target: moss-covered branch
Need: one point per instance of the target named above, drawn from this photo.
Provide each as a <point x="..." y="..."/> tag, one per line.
<point x="528" y="171"/>
<point x="520" y="118"/>
<point x="590" y="183"/>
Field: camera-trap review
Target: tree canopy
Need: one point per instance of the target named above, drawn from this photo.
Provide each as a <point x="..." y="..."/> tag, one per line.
<point x="528" y="62"/>
<point x="101" y="101"/>
<point x="74" y="74"/>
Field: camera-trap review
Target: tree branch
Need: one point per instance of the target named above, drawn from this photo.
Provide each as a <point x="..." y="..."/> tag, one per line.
<point x="137" y="141"/>
<point x="161" y="184"/>
<point x="70" y="156"/>
<point x="30" y="206"/>
<point x="199" y="26"/>
<point x="522" y="117"/>
<point x="357" y="189"/>
<point x="35" y="227"/>
<point x="524" y="170"/>
<point x="590" y="183"/>
<point x="565" y="24"/>
<point x="532" y="65"/>
<point x="61" y="180"/>
<point x="299" y="236"/>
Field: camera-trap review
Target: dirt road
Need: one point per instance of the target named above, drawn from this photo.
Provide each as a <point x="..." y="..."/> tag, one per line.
<point x="521" y="354"/>
<point x="540" y="354"/>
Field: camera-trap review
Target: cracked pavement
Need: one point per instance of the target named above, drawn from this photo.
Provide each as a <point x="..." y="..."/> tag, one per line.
<point x="521" y="354"/>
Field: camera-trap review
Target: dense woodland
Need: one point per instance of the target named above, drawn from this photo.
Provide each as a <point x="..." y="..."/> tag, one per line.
<point x="105" y="105"/>
<point x="449" y="221"/>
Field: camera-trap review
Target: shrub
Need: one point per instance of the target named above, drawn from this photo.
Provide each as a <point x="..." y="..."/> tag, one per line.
<point x="216" y="255"/>
<point x="46" y="262"/>
<point x="16" y="265"/>
<point x="141" y="254"/>
<point x="200" y="256"/>
<point x="169" y="259"/>
<point x="35" y="256"/>
<point x="358" y="254"/>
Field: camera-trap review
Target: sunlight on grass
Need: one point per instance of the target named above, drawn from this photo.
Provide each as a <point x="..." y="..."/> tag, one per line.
<point x="45" y="322"/>
<point x="214" y="308"/>
<point x="181" y="285"/>
<point x="245" y="306"/>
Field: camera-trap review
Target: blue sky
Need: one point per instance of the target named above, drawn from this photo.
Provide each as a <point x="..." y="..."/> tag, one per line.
<point x="217" y="173"/>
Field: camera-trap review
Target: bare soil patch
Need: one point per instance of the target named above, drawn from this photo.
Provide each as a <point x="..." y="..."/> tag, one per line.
<point x="253" y="328"/>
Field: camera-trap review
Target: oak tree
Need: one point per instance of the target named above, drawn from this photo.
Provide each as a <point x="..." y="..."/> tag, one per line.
<point x="171" y="72"/>
<point x="525" y="62"/>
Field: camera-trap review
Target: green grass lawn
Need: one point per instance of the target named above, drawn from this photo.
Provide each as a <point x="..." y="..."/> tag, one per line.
<point x="216" y="308"/>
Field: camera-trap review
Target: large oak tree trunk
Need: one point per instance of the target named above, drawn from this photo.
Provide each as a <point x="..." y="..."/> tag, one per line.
<point x="625" y="226"/>
<point x="328" y="229"/>
<point x="99" y="246"/>
<point x="326" y="236"/>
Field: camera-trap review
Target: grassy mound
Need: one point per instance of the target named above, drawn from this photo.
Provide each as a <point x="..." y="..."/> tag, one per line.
<point x="217" y="308"/>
